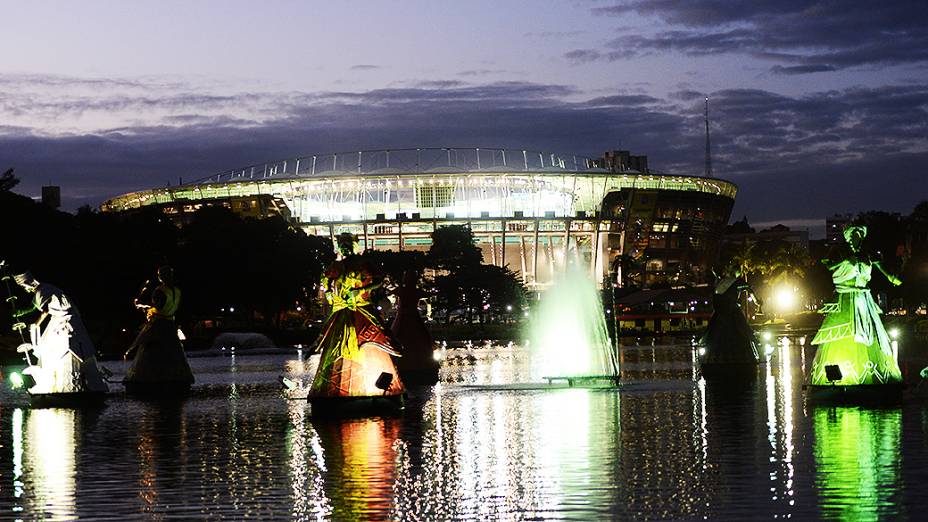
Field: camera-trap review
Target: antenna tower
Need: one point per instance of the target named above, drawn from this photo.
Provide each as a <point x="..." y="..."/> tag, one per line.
<point x="708" y="148"/>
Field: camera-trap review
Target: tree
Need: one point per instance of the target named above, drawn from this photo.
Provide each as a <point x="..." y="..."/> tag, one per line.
<point x="255" y="266"/>
<point x="8" y="180"/>
<point x="453" y="248"/>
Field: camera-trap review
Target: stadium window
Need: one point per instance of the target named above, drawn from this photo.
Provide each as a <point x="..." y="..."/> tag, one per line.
<point x="432" y="196"/>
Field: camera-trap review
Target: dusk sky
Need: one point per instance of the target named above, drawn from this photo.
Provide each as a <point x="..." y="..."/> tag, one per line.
<point x="817" y="107"/>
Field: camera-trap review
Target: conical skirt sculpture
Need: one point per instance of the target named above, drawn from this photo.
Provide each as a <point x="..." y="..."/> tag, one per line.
<point x="160" y="367"/>
<point x="418" y="364"/>
<point x="727" y="348"/>
<point x="355" y="366"/>
<point x="854" y="352"/>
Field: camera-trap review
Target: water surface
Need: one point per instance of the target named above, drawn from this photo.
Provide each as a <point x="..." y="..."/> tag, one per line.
<point x="667" y="446"/>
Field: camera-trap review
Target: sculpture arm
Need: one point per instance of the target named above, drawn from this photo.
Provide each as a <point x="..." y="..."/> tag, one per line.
<point x="365" y="288"/>
<point x="24" y="311"/>
<point x="892" y="279"/>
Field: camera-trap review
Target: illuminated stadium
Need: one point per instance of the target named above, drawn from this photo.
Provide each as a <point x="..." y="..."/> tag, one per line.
<point x="529" y="211"/>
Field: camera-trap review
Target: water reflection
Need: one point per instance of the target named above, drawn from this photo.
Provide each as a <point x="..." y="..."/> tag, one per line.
<point x="307" y="466"/>
<point x="360" y="460"/>
<point x="858" y="462"/>
<point x="44" y="463"/>
<point x="667" y="446"/>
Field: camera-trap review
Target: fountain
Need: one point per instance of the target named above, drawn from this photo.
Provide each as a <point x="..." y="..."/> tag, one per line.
<point x="567" y="335"/>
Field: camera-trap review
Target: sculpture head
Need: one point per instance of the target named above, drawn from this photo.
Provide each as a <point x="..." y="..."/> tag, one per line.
<point x="854" y="235"/>
<point x="26" y="281"/>
<point x="346" y="242"/>
<point x="166" y="275"/>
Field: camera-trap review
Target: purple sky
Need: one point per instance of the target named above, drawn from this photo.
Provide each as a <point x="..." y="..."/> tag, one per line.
<point x="818" y="107"/>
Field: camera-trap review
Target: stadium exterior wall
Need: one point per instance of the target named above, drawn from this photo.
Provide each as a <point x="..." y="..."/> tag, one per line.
<point x="629" y="227"/>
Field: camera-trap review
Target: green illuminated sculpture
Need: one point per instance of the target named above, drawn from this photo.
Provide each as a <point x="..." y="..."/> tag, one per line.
<point x="854" y="348"/>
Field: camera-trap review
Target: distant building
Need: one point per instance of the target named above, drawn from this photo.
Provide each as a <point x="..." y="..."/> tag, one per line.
<point x="529" y="211"/>
<point x="51" y="196"/>
<point x="663" y="310"/>
<point x="834" y="227"/>
<point x="799" y="238"/>
<point x="256" y="206"/>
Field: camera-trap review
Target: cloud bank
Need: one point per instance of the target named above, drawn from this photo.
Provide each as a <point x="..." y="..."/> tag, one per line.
<point x="803" y="37"/>
<point x="792" y="157"/>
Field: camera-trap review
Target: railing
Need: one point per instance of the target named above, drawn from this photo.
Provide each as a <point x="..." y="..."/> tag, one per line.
<point x="408" y="161"/>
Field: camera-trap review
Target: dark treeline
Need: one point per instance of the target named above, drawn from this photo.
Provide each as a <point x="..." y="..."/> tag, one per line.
<point x="235" y="274"/>
<point x="899" y="242"/>
<point x="258" y="268"/>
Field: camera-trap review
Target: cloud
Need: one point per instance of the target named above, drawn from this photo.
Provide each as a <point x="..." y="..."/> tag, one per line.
<point x="365" y="67"/>
<point x="583" y="55"/>
<point x="482" y="72"/>
<point x="802" y="69"/>
<point x="809" y="36"/>
<point x="792" y="156"/>
<point x="553" y="34"/>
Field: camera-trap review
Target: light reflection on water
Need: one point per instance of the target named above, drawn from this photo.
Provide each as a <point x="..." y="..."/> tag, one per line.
<point x="669" y="445"/>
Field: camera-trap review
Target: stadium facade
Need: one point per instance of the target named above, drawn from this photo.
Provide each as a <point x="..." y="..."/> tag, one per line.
<point x="529" y="211"/>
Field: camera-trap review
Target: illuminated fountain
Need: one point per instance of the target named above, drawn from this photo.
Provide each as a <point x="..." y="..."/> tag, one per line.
<point x="568" y="337"/>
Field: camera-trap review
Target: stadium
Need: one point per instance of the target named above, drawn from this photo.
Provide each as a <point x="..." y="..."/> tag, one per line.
<point x="530" y="211"/>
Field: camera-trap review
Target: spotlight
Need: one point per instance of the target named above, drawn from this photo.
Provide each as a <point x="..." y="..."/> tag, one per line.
<point x="16" y="380"/>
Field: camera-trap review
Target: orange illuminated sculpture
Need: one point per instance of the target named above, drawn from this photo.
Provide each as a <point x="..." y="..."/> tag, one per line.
<point x="355" y="366"/>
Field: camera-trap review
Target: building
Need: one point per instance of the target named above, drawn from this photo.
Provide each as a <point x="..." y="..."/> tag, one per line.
<point x="776" y="233"/>
<point x="529" y="211"/>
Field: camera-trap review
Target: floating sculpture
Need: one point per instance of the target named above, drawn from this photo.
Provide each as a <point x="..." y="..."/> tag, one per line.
<point x="160" y="366"/>
<point x="418" y="364"/>
<point x="854" y="349"/>
<point x="66" y="364"/>
<point x="728" y="344"/>
<point x="356" y="361"/>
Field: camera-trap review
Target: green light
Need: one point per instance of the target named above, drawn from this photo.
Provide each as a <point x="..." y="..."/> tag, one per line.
<point x="857" y="461"/>
<point x="16" y="380"/>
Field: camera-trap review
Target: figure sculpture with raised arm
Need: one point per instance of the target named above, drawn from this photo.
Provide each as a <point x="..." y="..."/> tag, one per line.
<point x="418" y="364"/>
<point x="355" y="351"/>
<point x="66" y="360"/>
<point x="853" y="347"/>
<point x="728" y="343"/>
<point x="160" y="366"/>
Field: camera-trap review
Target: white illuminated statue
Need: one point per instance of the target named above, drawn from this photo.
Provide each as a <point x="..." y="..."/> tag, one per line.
<point x="63" y="349"/>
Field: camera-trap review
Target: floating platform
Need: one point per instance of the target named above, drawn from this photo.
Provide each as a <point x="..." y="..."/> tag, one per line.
<point x="371" y="405"/>
<point x="729" y="371"/>
<point x="67" y="400"/>
<point x="872" y="394"/>
<point x="586" y="380"/>
<point x="167" y="390"/>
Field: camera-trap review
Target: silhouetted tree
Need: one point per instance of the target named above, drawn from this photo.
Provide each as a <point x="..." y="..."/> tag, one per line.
<point x="453" y="248"/>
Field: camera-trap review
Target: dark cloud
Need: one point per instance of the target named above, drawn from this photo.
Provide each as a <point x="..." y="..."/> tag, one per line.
<point x="583" y="55"/>
<point x="482" y="72"/>
<point x="793" y="157"/>
<point x="811" y="36"/>
<point x="365" y="67"/>
<point x="802" y="69"/>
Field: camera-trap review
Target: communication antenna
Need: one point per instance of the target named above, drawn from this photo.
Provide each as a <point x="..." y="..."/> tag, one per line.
<point x="708" y="148"/>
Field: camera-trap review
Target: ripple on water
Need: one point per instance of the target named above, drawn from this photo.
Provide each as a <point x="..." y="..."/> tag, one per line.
<point x="666" y="446"/>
